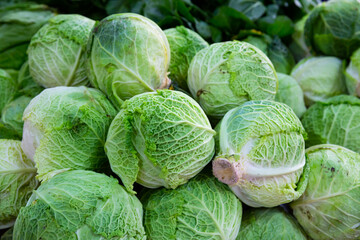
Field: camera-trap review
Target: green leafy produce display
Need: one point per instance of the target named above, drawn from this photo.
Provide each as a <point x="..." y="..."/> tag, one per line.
<point x="18" y="24"/>
<point x="334" y="121"/>
<point x="201" y="209"/>
<point x="261" y="153"/>
<point x="225" y="75"/>
<point x="159" y="139"/>
<point x="203" y="110"/>
<point x="57" y="51"/>
<point x="17" y="181"/>
<point x="269" y="223"/>
<point x="65" y="128"/>
<point x="80" y="205"/>
<point x="329" y="208"/>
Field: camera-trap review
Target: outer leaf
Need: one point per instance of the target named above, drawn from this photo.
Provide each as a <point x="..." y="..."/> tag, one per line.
<point x="225" y="75"/>
<point x="57" y="51"/>
<point x="334" y="121"/>
<point x="184" y="44"/>
<point x="269" y="223"/>
<point x="128" y="54"/>
<point x="8" y="87"/>
<point x="329" y="208"/>
<point x="57" y="120"/>
<point x="159" y="139"/>
<point x="80" y="205"/>
<point x="17" y="181"/>
<point x="352" y="74"/>
<point x="261" y="153"/>
<point x="201" y="209"/>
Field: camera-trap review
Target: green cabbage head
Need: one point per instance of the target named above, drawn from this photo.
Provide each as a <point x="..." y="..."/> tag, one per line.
<point x="17" y="181"/>
<point x="202" y="209"/>
<point x="225" y="75"/>
<point x="128" y="54"/>
<point x="352" y="74"/>
<point x="261" y="153"/>
<point x="335" y="121"/>
<point x="332" y="28"/>
<point x="329" y="208"/>
<point x="80" y="204"/>
<point x="65" y="128"/>
<point x="159" y="139"/>
<point x="184" y="44"/>
<point x="57" y="51"/>
<point x="320" y="78"/>
<point x="18" y="24"/>
<point x="269" y="223"/>
<point x="291" y="94"/>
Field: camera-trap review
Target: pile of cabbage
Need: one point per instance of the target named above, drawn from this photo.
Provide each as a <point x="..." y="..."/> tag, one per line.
<point x="119" y="129"/>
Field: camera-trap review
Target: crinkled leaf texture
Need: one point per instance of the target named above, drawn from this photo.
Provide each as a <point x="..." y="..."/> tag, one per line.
<point x="80" y="205"/>
<point x="261" y="153"/>
<point x="320" y="78"/>
<point x="159" y="139"/>
<point x="128" y="54"/>
<point x="17" y="181"/>
<point x="333" y="28"/>
<point x="184" y="44"/>
<point x="225" y="75"/>
<point x="330" y="207"/>
<point x="202" y="209"/>
<point x="334" y="121"/>
<point x="269" y="223"/>
<point x="57" y="51"/>
<point x="65" y="128"/>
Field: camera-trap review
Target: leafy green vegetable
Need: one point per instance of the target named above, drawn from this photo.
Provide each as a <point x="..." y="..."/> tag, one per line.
<point x="13" y="112"/>
<point x="334" y="121"/>
<point x="201" y="209"/>
<point x="8" y="87"/>
<point x="57" y="51"/>
<point x="8" y="235"/>
<point x="159" y="139"/>
<point x="27" y="85"/>
<point x="261" y="153"/>
<point x="65" y="128"/>
<point x="332" y="28"/>
<point x="269" y="223"/>
<point x="225" y="75"/>
<point x="352" y="74"/>
<point x="18" y="23"/>
<point x="17" y="181"/>
<point x="320" y="78"/>
<point x="298" y="47"/>
<point x="329" y="208"/>
<point x="80" y="205"/>
<point x="291" y="94"/>
<point x="184" y="44"/>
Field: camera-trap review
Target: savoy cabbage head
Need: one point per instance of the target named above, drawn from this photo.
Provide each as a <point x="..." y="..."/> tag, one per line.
<point x="128" y="54"/>
<point x="269" y="223"/>
<point x="159" y="139"/>
<point x="65" y="128"/>
<point x="320" y="78"/>
<point x="261" y="153"/>
<point x="17" y="181"/>
<point x="334" y="121"/>
<point x="227" y="74"/>
<point x="184" y="44"/>
<point x="80" y="204"/>
<point x="202" y="209"/>
<point x="57" y="51"/>
<point x="352" y="74"/>
<point x="332" y="28"/>
<point x="329" y="208"/>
